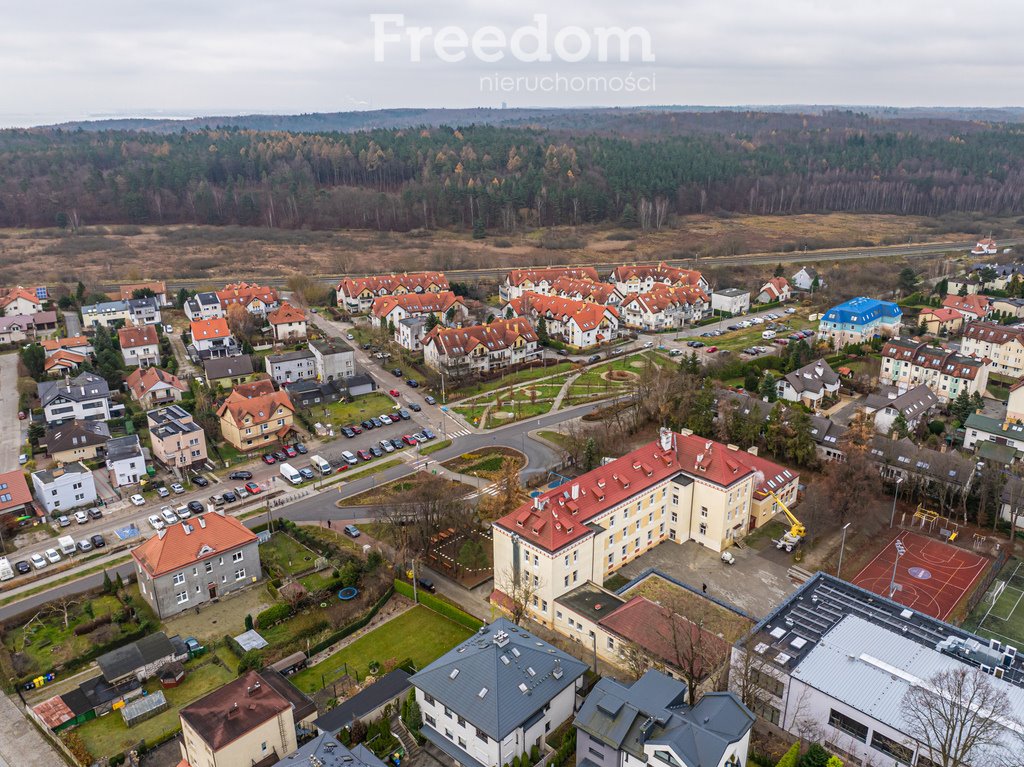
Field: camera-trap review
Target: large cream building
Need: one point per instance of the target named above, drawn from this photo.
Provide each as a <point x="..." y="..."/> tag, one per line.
<point x="1002" y="345"/>
<point x="679" y="488"/>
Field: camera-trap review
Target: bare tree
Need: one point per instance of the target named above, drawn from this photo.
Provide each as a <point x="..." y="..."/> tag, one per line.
<point x="962" y="718"/>
<point x="635" y="659"/>
<point x="694" y="649"/>
<point x="519" y="588"/>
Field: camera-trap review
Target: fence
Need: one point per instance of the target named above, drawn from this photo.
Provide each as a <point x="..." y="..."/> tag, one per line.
<point x="982" y="588"/>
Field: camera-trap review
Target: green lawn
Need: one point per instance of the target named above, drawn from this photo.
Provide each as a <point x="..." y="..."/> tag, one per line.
<point x="108" y="735"/>
<point x="419" y="633"/>
<point x="521" y="411"/>
<point x="741" y="339"/>
<point x="367" y="406"/>
<point x="433" y="447"/>
<point x="286" y="555"/>
<point x="531" y="374"/>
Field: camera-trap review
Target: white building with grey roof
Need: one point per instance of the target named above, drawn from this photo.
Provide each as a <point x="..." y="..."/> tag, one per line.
<point x="650" y="722"/>
<point x="838" y="661"/>
<point x="810" y="384"/>
<point x="496" y="695"/>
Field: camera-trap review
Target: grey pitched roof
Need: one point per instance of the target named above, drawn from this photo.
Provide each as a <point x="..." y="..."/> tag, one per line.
<point x="81" y="388"/>
<point x="125" y="660"/>
<point x="223" y="367"/>
<point x="826" y="433"/>
<point x="948" y="467"/>
<point x="653" y="710"/>
<point x="302" y="354"/>
<point x="76" y="434"/>
<point x="326" y="751"/>
<point x="500" y="677"/>
<point x="124" y="448"/>
<point x="813" y="377"/>
<point x="388" y="687"/>
<point x="911" y="403"/>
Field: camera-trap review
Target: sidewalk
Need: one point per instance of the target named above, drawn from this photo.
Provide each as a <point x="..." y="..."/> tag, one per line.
<point x="21" y="744"/>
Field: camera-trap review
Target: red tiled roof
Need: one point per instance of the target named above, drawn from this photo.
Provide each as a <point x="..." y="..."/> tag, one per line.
<point x="416" y="303"/>
<point x="934" y="358"/>
<point x="499" y="335"/>
<point x="206" y="329"/>
<point x="384" y="284"/>
<point x="658" y="272"/>
<point x="261" y="407"/>
<point x="661" y="297"/>
<point x="285" y="314"/>
<point x="210" y="535"/>
<point x="53" y="344"/>
<point x="13" y="484"/>
<point x="53" y="712"/>
<point x="584" y="313"/>
<point x="142" y="380"/>
<point x="244" y="293"/>
<point x="776" y="286"/>
<point x="19" y="292"/>
<point x="519" y="276"/>
<point x="978" y="305"/>
<point x="942" y="314"/>
<point x="158" y="288"/>
<point x="255" y="388"/>
<point x="132" y="337"/>
<point x="63" y="359"/>
<point x="584" y="290"/>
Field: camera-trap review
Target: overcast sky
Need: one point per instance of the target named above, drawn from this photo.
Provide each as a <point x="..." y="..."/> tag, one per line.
<point x="67" y="60"/>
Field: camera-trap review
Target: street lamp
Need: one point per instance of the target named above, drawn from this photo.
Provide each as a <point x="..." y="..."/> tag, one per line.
<point x="900" y="551"/>
<point x="895" y="495"/>
<point x="842" y="548"/>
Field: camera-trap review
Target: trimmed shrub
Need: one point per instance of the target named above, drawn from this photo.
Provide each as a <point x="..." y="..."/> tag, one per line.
<point x="274" y="614"/>
<point x="791" y="757"/>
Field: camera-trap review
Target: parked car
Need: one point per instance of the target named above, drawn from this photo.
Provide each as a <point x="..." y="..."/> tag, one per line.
<point x="364" y="455"/>
<point x="155" y="522"/>
<point x="350" y="337"/>
<point x="419" y="437"/>
<point x="413" y="383"/>
<point x="387" y="446"/>
<point x="306" y="473"/>
<point x="290" y="451"/>
<point x="177" y="488"/>
<point x="168" y="516"/>
<point x="357" y="429"/>
<point x="430" y="400"/>
<point x="162" y="492"/>
<point x="414" y="407"/>
<point x="675" y="352"/>
<point x="594" y="358"/>
<point x="426" y="584"/>
<point x="397" y="444"/>
<point x="269" y="459"/>
<point x="52" y="556"/>
<point x="377" y="423"/>
<point x="404" y="414"/>
<point x="196" y="507"/>
<point x="96" y="513"/>
<point x="376" y="451"/>
<point x="240" y="475"/>
<point x="410" y="440"/>
<point x="280" y="456"/>
<point x="199" y="481"/>
<point x="698" y="344"/>
<point x="138" y="500"/>
<point x="734" y="327"/>
<point x="38" y="561"/>
<point x="394" y="393"/>
<point x="241" y="493"/>
<point x="648" y="345"/>
<point x="63" y="521"/>
<point x="352" y="531"/>
<point x="301" y="449"/>
<point x="712" y="349"/>
<point x="253" y="488"/>
<point x="22" y="567"/>
<point x="429" y="434"/>
<point x="81" y="517"/>
<point x="348" y="432"/>
<point x="396" y="372"/>
<point x="97" y="541"/>
<point x="367" y="424"/>
<point x="791" y="310"/>
<point x="229" y="497"/>
<point x="386" y="420"/>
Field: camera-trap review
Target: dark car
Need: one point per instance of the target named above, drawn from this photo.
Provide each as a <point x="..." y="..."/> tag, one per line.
<point x="377" y="452"/>
<point x="692" y="344"/>
<point x="97" y="542"/>
<point x="594" y="358"/>
<point x="734" y="327"/>
<point x="301" y="449"/>
<point x="348" y="432"/>
<point x="269" y="459"/>
<point x="280" y="456"/>
<point x="404" y="414"/>
<point x="366" y="347"/>
<point x="426" y="584"/>
<point x="396" y="372"/>
<point x="430" y="400"/>
<point x="23" y="567"/>
<point x="367" y="425"/>
<point x="414" y="407"/>
<point x="397" y="444"/>
<point x="96" y="513"/>
<point x="376" y="422"/>
<point x="196" y="507"/>
<point x="352" y="531"/>
<point x="200" y="481"/>
<point x="365" y="455"/>
<point x="563" y="352"/>
<point x="240" y="475"/>
<point x="413" y="383"/>
<point x="429" y="434"/>
<point x="229" y="497"/>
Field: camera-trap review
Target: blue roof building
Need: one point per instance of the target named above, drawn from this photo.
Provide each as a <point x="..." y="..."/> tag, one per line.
<point x="860" y="319"/>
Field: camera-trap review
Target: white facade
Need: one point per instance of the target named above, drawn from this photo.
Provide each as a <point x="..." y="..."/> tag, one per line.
<point x="66" y="409"/>
<point x="146" y="355"/>
<point x="732" y="301"/>
<point x="127" y="471"/>
<point x="106" y="314"/>
<point x="204" y="306"/>
<point x="59" y="490"/>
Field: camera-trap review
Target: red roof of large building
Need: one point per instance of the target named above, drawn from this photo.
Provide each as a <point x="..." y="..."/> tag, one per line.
<point x="658" y="272"/>
<point x="776" y="287"/>
<point x="533" y="276"/>
<point x="133" y="337"/>
<point x="244" y="293"/>
<point x="416" y="303"/>
<point x="203" y="330"/>
<point x="14" y="492"/>
<point x="993" y="333"/>
<point x="661" y="297"/>
<point x="53" y="344"/>
<point x="19" y="292"/>
<point x="977" y="305"/>
<point x="586" y="314"/>
<point x="178" y="546"/>
<point x="496" y="336"/>
<point x="286" y="314"/>
<point x="255" y="388"/>
<point x="943" y="361"/>
<point x="385" y="284"/>
<point x="583" y="290"/>
<point x="942" y="314"/>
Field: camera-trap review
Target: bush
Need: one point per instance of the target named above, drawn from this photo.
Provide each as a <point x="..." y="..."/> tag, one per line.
<point x="790" y="758"/>
<point x="534" y="754"/>
<point x="89" y="626"/>
<point x="816" y="756"/>
<point x="351" y="628"/>
<point x="273" y="615"/>
<point x="251" y="660"/>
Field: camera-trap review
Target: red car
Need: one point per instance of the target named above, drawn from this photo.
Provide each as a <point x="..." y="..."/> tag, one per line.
<point x="407" y="439"/>
<point x="393" y="392"/>
<point x="711" y="349"/>
<point x="356" y="428"/>
<point x="364" y="455"/>
<point x="343" y="467"/>
<point x="253" y="488"/>
<point x="290" y="451"/>
<point x="269" y="459"/>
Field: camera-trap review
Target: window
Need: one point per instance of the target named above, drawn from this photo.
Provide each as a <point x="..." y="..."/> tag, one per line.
<point x="766" y="711"/>
<point x="887" y="745"/>
<point x="674" y="517"/>
<point x="209" y="567"/>
<point x="671" y="534"/>
<point x="182" y="597"/>
<point x="481" y="735"/>
<point x="850" y="726"/>
<point x="703" y="528"/>
<point x="461" y="721"/>
<point x="239" y="573"/>
<point x="611" y="643"/>
<point x="704" y="511"/>
<point x="767" y="682"/>
<point x="179" y="578"/>
<point x="575" y="575"/>
<point x="558" y="614"/>
<point x="924" y="761"/>
<point x="237" y="556"/>
<point x="667" y="758"/>
<point x="462" y="742"/>
<point x="263" y="746"/>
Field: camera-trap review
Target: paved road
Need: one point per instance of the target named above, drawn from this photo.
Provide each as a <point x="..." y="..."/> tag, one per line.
<point x="21" y="744"/>
<point x="11" y="434"/>
<point x="73" y="323"/>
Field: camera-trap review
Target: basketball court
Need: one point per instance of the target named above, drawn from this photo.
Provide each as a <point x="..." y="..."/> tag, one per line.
<point x="931" y="576"/>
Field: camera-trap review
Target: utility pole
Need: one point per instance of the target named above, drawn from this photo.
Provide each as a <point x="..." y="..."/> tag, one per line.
<point x="895" y="495"/>
<point x="415" y="593"/>
<point x="900" y="551"/>
<point x="842" y="548"/>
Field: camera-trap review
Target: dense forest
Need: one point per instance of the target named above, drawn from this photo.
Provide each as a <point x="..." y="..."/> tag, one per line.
<point x="572" y="167"/>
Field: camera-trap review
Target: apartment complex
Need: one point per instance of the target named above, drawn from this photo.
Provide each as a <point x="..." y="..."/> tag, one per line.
<point x="178" y="441"/>
<point x="444" y="305"/>
<point x="640" y="278"/>
<point x="945" y="372"/>
<point x="357" y="294"/>
<point x="1001" y="345"/>
<point x="255" y="299"/>
<point x="251" y="423"/>
<point x="664" y="307"/>
<point x="858" y="320"/>
<point x="578" y="323"/>
<point x="542" y="281"/>
<point x="480" y="348"/>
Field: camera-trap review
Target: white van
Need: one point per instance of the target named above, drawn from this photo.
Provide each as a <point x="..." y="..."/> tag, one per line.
<point x="290" y="473"/>
<point x="67" y="545"/>
<point x="349" y="458"/>
<point x="6" y="571"/>
<point x="768" y="335"/>
<point x="320" y="465"/>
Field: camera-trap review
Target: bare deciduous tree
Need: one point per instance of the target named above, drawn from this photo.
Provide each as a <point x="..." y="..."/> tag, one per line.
<point x="519" y="588"/>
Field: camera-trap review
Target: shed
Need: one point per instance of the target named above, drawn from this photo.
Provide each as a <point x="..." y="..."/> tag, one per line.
<point x="144" y="708"/>
<point x="367" y="703"/>
<point x="287" y="666"/>
<point x="171" y="674"/>
<point x="251" y="640"/>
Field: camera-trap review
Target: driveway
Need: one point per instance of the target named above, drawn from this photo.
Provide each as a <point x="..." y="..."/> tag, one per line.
<point x="11" y="437"/>
<point x="73" y="323"/>
<point x="754" y="584"/>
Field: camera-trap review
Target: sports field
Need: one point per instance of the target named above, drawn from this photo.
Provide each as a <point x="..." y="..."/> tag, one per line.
<point x="1000" y="614"/>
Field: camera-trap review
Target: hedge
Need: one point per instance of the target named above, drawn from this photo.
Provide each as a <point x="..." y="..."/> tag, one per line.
<point x="351" y="628"/>
<point x="232" y="644"/>
<point x="273" y="614"/>
<point x="790" y="758"/>
<point x="428" y="600"/>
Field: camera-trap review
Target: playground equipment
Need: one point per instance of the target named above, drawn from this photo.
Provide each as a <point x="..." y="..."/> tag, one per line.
<point x="926" y="517"/>
<point x="796" y="533"/>
<point x="348" y="593"/>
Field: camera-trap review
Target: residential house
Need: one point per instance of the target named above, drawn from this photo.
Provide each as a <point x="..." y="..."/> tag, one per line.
<point x="859" y="320"/>
<point x="142" y="659"/>
<point x="63" y="363"/>
<point x="810" y="385"/>
<point x="325" y="750"/>
<point x="410" y="331"/>
<point x="577" y="323"/>
<point x="151" y="387"/>
<point x="158" y="289"/>
<point x="204" y="306"/>
<point x="63" y="488"/>
<point x="16" y="329"/>
<point x="1015" y="403"/>
<point x="828" y="438"/>
<point x="186" y="565"/>
<point x="733" y="301"/>
<point x="77" y="344"/>
<point x="140" y="346"/>
<point x="937" y="473"/>
<point x="310" y="393"/>
<point x="74" y="441"/>
<point x="914" y="404"/>
<point x="845" y="668"/>
<point x="358" y="294"/>
<point x="20" y="302"/>
<point x="941" y="321"/>
<point x="1008" y="307"/>
<point x="542" y="281"/>
<point x="945" y="372"/>
<point x="681" y="487"/>
<point x="664" y="307"/>
<point x="649" y="722"/>
<point x="1001" y="345"/>
<point x="126" y="463"/>
<point x="212" y="339"/>
<point x="480" y="348"/>
<point x="179" y="443"/>
<point x="334" y="359"/>
<point x="45" y="323"/>
<point x="447" y="307"/>
<point x="585" y="290"/>
<point x="107" y="314"/>
<point x="255" y="299"/>
<point x="15" y="497"/>
<point x="288" y="324"/>
<point x="144" y="311"/>
<point x="227" y="372"/>
<point x="973" y="308"/>
<point x="496" y="695"/>
<point x="807" y="279"/>
<point x="968" y="285"/>
<point x="980" y="428"/>
<point x="776" y="290"/>
<point x="251" y="423"/>
<point x="86" y="396"/>
<point x="986" y="247"/>
<point x="291" y="366"/>
<point x="640" y="278"/>
<point x="1011" y="506"/>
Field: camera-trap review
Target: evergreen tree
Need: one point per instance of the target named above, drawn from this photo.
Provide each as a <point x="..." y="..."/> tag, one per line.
<point x="977" y="403"/>
<point x="900" y="427"/>
<point x="431" y="322"/>
<point x="779" y="271"/>
<point x="701" y="419"/>
<point x="815" y="284"/>
<point x="963" y="289"/>
<point x="800" y="443"/>
<point x="961" y="407"/>
<point x="33" y="357"/>
<point x="542" y="332"/>
<point x="479" y="232"/>
<point x="80" y="291"/>
<point x="767" y="388"/>
<point x="775" y="431"/>
<point x="751" y="379"/>
<point x="942" y="288"/>
<point x="629" y="219"/>
<point x="108" y="585"/>
<point x="907" y="281"/>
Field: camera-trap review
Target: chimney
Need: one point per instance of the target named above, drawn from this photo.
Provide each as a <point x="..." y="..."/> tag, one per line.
<point x="575" y="491"/>
<point x="752" y="449"/>
<point x="202" y="523"/>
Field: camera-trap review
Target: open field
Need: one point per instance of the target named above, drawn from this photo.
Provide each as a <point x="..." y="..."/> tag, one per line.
<point x="210" y="256"/>
<point x="1002" y="618"/>
<point x="283" y="554"/>
<point x="419" y="634"/>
